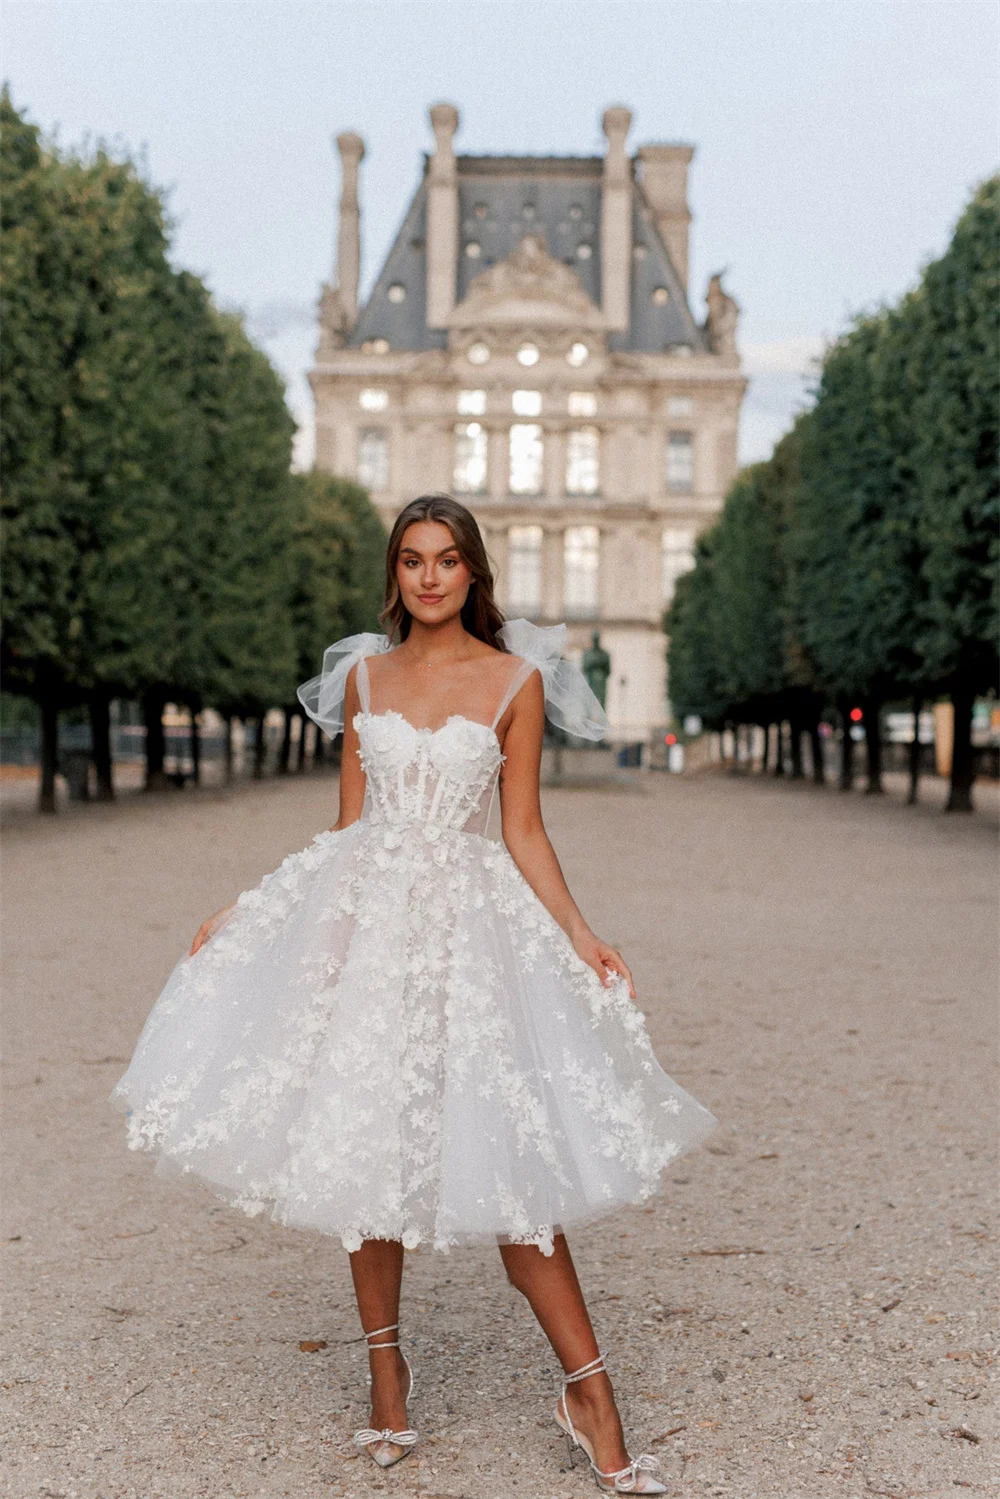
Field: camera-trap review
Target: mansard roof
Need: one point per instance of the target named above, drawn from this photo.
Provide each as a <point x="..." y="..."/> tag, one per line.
<point x="501" y="200"/>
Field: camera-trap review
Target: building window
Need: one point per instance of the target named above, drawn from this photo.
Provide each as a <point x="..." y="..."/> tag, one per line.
<point x="470" y="458"/>
<point x="577" y="355"/>
<point x="397" y="292"/>
<point x="583" y="472"/>
<point x="526" y="402"/>
<point x="581" y="403"/>
<point x="373" y="400"/>
<point x="524" y="567"/>
<point x="680" y="463"/>
<point x="526" y="458"/>
<point x="477" y="354"/>
<point x="528" y="355"/>
<point x="580" y="561"/>
<point x="373" y="458"/>
<point x="677" y="557"/>
<point x="471" y="402"/>
<point x="680" y="406"/>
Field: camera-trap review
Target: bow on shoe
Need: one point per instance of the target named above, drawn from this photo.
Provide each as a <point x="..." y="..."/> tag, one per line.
<point x="366" y="1436"/>
<point x="626" y="1479"/>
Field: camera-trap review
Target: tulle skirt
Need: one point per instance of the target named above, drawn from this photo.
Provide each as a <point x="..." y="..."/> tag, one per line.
<point x="390" y="1037"/>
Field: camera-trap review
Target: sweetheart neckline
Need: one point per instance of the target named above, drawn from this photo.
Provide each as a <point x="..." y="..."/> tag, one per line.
<point x="452" y="718"/>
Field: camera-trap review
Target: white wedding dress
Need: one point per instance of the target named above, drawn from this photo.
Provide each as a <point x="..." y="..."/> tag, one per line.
<point x="390" y="1037"/>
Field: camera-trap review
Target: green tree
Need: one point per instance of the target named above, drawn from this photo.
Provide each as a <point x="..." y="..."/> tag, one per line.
<point x="951" y="334"/>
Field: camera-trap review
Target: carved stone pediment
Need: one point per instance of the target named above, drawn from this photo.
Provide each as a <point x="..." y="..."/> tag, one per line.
<point x="529" y="288"/>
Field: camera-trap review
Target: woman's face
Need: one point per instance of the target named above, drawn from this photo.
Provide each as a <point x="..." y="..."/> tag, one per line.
<point x="433" y="580"/>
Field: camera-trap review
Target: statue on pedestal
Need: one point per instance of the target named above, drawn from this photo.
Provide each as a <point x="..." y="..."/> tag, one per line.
<point x="596" y="667"/>
<point x="723" y="316"/>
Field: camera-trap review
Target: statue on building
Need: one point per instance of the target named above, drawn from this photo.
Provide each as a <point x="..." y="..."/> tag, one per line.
<point x="596" y="667"/>
<point x="723" y="316"/>
<point x="332" y="323"/>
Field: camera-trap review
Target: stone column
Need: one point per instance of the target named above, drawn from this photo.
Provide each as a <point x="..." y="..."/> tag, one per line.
<point x="442" y="217"/>
<point x="552" y="572"/>
<point x="352" y="149"/>
<point x="664" y="182"/>
<point x="553" y="463"/>
<point x="616" y="220"/>
<point x="498" y="463"/>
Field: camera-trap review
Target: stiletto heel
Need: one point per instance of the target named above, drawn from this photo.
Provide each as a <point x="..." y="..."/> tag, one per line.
<point x="625" y="1480"/>
<point x="379" y="1444"/>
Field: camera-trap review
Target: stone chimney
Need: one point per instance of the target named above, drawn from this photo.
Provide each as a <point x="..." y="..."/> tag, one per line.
<point x="616" y="220"/>
<point x="664" y="181"/>
<point x="352" y="149"/>
<point x="442" y="217"/>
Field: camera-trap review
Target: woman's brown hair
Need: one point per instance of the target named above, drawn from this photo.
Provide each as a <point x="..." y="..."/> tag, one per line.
<point x="481" y="614"/>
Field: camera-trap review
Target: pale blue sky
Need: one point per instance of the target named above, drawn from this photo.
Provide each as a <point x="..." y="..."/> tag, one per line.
<point x="836" y="142"/>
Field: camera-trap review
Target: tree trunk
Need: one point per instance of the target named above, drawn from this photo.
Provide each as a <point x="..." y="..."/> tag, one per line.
<point x="779" y="748"/>
<point x="259" y="749"/>
<point x="816" y="749"/>
<point x="100" y="741"/>
<point x="873" y="746"/>
<point x="284" y="754"/>
<point x="156" y="743"/>
<point x="49" y="714"/>
<point x="195" y="745"/>
<point x="227" y="763"/>
<point x="912" y="794"/>
<point x="300" y="759"/>
<point x="795" y="729"/>
<point x="846" y="781"/>
<point x="962" y="762"/>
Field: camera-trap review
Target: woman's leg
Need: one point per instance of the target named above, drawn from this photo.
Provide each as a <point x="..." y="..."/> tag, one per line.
<point x="549" y="1284"/>
<point x="377" y="1268"/>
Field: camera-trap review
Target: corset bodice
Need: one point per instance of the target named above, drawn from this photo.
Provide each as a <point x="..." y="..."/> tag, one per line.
<point x="436" y="778"/>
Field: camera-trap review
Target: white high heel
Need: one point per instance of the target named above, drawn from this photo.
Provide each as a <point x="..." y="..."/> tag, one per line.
<point x="379" y="1444"/>
<point x="631" y="1480"/>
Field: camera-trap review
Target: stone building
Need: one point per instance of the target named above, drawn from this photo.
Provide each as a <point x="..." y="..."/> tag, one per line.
<point x="530" y="348"/>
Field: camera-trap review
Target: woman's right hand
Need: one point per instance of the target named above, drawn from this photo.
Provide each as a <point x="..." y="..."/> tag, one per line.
<point x="208" y="929"/>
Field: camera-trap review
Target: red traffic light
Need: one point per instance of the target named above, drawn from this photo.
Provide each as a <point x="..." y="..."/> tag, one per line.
<point x="670" y="739"/>
<point x="856" y="715"/>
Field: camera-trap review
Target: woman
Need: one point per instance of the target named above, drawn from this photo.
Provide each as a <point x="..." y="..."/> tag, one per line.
<point x="408" y="1032"/>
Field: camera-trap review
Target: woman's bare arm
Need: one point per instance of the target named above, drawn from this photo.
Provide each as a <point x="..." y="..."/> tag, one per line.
<point x="352" y="777"/>
<point x="525" y="836"/>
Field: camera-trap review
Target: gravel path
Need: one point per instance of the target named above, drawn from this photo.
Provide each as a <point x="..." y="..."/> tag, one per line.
<point x="805" y="1312"/>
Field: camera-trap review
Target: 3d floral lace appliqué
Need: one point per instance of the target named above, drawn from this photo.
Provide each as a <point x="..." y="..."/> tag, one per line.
<point x="391" y="1037"/>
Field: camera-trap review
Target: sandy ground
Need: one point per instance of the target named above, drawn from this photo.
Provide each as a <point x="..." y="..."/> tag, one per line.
<point x="805" y="1312"/>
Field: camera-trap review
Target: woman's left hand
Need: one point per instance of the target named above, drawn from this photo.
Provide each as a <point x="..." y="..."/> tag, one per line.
<point x="604" y="959"/>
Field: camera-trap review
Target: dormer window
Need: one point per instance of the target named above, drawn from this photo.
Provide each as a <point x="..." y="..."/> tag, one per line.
<point x="578" y="354"/>
<point x="473" y="250"/>
<point x="528" y="355"/>
<point x="477" y="353"/>
<point x="584" y="252"/>
<point x="396" y="292"/>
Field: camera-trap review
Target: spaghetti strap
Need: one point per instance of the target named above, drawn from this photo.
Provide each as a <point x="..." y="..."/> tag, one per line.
<point x="364" y="685"/>
<point x="514" y="686"/>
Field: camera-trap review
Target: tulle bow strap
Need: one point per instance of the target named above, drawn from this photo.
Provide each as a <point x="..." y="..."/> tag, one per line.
<point x="323" y="696"/>
<point x="569" y="702"/>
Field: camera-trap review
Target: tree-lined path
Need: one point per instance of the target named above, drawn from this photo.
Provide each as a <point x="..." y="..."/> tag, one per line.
<point x="804" y="1313"/>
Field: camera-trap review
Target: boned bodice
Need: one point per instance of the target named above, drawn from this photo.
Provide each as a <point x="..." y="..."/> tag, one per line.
<point x="441" y="779"/>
